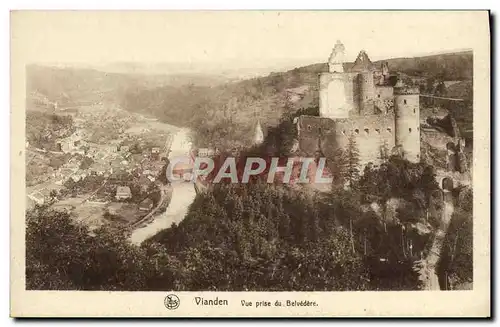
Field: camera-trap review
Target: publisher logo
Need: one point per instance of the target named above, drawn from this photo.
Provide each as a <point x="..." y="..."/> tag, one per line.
<point x="172" y="302"/>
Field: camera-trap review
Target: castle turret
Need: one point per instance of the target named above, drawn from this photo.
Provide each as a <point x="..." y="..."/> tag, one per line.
<point x="366" y="85"/>
<point x="407" y="121"/>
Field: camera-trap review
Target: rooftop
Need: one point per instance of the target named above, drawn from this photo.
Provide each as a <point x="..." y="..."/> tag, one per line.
<point x="123" y="190"/>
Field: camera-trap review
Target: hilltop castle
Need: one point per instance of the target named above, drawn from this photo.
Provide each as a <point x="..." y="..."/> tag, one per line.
<point x="364" y="103"/>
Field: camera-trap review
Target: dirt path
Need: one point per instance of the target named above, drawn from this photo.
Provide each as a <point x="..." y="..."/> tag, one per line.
<point x="427" y="266"/>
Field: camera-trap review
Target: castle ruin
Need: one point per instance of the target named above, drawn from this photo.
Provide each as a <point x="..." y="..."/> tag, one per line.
<point x="360" y="101"/>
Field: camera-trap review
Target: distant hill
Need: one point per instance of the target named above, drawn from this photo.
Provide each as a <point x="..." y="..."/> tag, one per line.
<point x="445" y="66"/>
<point x="70" y="85"/>
<point x="448" y="67"/>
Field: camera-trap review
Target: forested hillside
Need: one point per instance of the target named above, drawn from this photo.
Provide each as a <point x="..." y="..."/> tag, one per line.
<point x="259" y="236"/>
<point x="76" y="86"/>
<point x="42" y="129"/>
<point x="447" y="67"/>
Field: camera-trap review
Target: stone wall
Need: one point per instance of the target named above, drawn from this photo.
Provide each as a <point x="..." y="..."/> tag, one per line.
<point x="371" y="134"/>
<point x="336" y="95"/>
<point x="384" y="92"/>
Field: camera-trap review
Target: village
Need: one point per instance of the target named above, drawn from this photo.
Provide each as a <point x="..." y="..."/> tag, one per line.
<point x="106" y="170"/>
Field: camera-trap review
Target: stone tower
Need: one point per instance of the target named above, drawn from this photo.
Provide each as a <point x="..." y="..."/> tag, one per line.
<point x="407" y="121"/>
<point x="366" y="86"/>
<point x="332" y="95"/>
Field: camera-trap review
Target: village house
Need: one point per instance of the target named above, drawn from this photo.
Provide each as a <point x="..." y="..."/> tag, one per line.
<point x="125" y="148"/>
<point x="40" y="196"/>
<point x="114" y="145"/>
<point x="92" y="152"/>
<point x="72" y="163"/>
<point x="99" y="168"/>
<point x="146" y="205"/>
<point x="206" y="152"/>
<point x="155" y="153"/>
<point x="79" y="174"/>
<point x="144" y="183"/>
<point x="65" y="173"/>
<point x="123" y="193"/>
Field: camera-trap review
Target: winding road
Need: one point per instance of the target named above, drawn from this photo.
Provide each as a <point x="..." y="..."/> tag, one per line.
<point x="427" y="266"/>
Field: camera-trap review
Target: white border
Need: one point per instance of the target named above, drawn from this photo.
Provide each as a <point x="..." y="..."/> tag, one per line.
<point x="147" y="4"/>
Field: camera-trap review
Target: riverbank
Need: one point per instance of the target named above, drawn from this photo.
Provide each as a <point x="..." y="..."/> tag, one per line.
<point x="183" y="194"/>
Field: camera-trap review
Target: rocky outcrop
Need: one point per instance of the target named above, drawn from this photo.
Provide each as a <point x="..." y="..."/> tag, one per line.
<point x="446" y="124"/>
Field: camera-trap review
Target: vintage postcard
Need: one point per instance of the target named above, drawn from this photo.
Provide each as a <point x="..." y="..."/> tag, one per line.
<point x="250" y="164"/>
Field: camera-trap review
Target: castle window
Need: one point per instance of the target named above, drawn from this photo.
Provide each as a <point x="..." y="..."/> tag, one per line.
<point x="404" y="101"/>
<point x="414" y="111"/>
<point x="378" y="95"/>
<point x="409" y="129"/>
<point x="309" y="127"/>
<point x="377" y="130"/>
<point x="389" y="130"/>
<point x="356" y="131"/>
<point x="367" y="131"/>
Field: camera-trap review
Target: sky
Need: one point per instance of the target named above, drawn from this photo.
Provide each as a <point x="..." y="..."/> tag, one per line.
<point x="234" y="40"/>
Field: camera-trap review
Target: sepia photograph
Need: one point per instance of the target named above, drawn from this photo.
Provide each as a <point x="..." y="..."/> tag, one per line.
<point x="214" y="151"/>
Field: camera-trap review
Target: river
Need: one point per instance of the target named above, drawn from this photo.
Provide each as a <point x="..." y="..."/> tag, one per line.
<point x="183" y="194"/>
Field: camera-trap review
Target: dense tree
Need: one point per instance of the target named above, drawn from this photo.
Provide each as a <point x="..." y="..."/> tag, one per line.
<point x="279" y="233"/>
<point x="61" y="254"/>
<point x="455" y="266"/>
<point x="352" y="154"/>
<point x="235" y="237"/>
